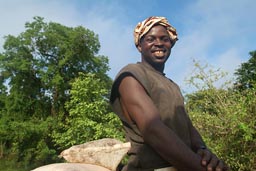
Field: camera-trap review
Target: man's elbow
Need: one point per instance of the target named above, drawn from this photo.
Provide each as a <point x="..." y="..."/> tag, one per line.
<point x="151" y="132"/>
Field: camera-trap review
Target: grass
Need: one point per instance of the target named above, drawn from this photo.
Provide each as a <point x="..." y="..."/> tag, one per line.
<point x="6" y="165"/>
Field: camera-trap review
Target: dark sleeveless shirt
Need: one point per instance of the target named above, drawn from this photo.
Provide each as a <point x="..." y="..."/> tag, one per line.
<point x="167" y="98"/>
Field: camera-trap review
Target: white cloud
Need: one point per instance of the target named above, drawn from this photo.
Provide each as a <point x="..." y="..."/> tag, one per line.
<point x="115" y="38"/>
<point x="216" y="32"/>
<point x="230" y="60"/>
<point x="15" y="13"/>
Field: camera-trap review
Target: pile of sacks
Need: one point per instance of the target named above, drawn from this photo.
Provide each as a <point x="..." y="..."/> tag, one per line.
<point x="99" y="155"/>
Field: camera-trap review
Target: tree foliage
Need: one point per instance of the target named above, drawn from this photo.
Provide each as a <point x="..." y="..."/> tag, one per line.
<point x="226" y="118"/>
<point x="40" y="62"/>
<point x="89" y="114"/>
<point x="246" y="73"/>
<point x="37" y="68"/>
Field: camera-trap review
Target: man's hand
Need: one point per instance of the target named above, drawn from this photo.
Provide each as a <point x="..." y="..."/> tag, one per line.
<point x="211" y="161"/>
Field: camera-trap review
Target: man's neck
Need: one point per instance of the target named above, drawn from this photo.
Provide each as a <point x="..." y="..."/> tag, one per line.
<point x="159" y="68"/>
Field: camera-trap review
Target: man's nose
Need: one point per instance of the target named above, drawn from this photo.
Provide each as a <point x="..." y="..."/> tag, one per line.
<point x="158" y="42"/>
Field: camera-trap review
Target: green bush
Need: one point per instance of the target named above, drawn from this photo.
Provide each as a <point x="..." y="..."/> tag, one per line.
<point x="230" y="132"/>
<point x="89" y="115"/>
<point x="226" y="118"/>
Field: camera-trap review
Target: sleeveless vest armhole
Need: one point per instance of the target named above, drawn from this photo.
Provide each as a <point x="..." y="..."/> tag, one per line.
<point x="131" y="70"/>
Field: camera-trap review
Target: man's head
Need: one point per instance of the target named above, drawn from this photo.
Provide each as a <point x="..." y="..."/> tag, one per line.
<point x="143" y="28"/>
<point x="154" y="38"/>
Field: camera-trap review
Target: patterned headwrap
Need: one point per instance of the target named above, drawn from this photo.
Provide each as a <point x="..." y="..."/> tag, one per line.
<point x="143" y="27"/>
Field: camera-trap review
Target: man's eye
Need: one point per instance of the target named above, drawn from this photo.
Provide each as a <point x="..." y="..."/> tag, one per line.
<point x="149" y="39"/>
<point x="166" y="39"/>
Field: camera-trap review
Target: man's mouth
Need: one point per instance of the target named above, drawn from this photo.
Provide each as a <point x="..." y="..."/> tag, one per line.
<point x="159" y="53"/>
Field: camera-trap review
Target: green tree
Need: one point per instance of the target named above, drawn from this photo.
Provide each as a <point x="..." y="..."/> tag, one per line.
<point x="226" y="118"/>
<point x="36" y="69"/>
<point x="205" y="79"/>
<point x="40" y="62"/>
<point x="246" y="73"/>
<point x="89" y="114"/>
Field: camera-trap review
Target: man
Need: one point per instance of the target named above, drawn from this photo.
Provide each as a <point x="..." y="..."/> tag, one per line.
<point x="152" y="110"/>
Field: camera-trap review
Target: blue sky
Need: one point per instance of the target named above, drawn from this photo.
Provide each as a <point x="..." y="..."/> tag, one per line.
<point x="220" y="33"/>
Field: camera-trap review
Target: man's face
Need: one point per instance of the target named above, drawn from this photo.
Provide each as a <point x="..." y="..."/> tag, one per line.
<point x="155" y="46"/>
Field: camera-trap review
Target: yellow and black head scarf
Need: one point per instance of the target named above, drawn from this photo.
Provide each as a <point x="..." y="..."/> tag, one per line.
<point x="143" y="27"/>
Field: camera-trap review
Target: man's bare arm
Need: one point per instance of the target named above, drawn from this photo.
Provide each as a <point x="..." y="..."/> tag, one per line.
<point x="143" y="112"/>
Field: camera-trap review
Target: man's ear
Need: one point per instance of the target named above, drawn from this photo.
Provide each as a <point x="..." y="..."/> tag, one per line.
<point x="139" y="47"/>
